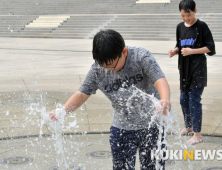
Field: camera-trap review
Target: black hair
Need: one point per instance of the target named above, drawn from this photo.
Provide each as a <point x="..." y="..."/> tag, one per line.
<point x="107" y="46"/>
<point x="187" y="5"/>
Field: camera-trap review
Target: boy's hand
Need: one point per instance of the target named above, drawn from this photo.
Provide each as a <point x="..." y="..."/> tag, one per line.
<point x="52" y="115"/>
<point x="186" y="51"/>
<point x="171" y="53"/>
<point x="166" y="105"/>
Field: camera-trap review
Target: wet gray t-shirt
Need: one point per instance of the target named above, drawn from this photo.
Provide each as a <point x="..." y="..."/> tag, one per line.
<point x="140" y="71"/>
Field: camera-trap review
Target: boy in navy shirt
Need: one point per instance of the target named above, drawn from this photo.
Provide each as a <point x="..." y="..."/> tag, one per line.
<point x="194" y="39"/>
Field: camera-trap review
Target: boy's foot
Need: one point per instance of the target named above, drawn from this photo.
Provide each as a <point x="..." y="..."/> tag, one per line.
<point x="195" y="140"/>
<point x="185" y="131"/>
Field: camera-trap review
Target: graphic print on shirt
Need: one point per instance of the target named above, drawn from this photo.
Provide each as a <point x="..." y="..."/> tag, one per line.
<point x="189" y="42"/>
<point x="123" y="83"/>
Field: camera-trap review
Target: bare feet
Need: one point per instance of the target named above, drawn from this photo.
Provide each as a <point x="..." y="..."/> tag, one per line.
<point x="185" y="131"/>
<point x="197" y="138"/>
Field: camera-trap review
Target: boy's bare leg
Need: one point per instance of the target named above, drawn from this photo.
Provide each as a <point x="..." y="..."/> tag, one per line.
<point x="197" y="138"/>
<point x="185" y="131"/>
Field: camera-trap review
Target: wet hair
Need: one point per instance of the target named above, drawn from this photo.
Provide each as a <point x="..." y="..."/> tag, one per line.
<point x="107" y="46"/>
<point x="187" y="5"/>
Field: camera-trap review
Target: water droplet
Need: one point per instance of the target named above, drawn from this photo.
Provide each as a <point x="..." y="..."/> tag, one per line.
<point x="7" y="113"/>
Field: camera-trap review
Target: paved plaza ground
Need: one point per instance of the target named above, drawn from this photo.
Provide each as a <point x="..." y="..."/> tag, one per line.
<point x="37" y="73"/>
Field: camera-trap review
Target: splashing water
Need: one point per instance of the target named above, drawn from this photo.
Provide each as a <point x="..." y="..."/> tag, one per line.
<point x="58" y="126"/>
<point x="146" y="105"/>
<point x="149" y="107"/>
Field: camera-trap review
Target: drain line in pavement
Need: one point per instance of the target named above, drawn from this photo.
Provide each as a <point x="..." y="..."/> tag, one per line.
<point x="16" y="160"/>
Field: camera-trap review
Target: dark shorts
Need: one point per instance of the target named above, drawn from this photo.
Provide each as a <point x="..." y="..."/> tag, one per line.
<point x="124" y="145"/>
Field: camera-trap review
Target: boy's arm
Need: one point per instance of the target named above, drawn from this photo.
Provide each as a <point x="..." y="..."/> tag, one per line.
<point x="175" y="51"/>
<point x="164" y="91"/>
<point x="76" y="100"/>
<point x="190" y="51"/>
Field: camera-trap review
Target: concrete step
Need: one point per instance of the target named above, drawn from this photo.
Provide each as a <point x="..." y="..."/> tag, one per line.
<point x="46" y="12"/>
<point x="49" y="21"/>
<point x="42" y="26"/>
<point x="42" y="36"/>
<point x="16" y="20"/>
<point x="88" y="20"/>
<point x="36" y="29"/>
<point x="78" y="26"/>
<point x="13" y="24"/>
<point x="12" y="27"/>
<point x="72" y="31"/>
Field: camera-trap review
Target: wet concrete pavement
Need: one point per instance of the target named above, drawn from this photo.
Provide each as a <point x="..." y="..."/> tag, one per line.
<point x="36" y="74"/>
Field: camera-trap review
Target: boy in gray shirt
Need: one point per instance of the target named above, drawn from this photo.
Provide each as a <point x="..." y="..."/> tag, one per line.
<point x="117" y="71"/>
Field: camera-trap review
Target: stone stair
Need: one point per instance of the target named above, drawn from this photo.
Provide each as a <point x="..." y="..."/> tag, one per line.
<point x="41" y="7"/>
<point x="82" y="19"/>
